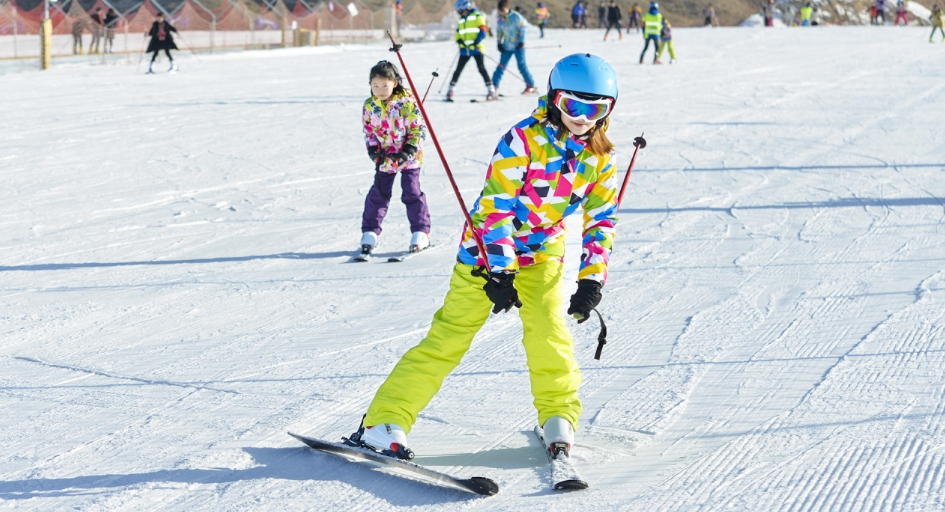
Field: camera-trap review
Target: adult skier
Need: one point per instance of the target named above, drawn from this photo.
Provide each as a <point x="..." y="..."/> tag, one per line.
<point x="709" y="14"/>
<point x="652" y="25"/>
<point x="551" y="164"/>
<point x="666" y="42"/>
<point x="601" y="15"/>
<point x="881" y="12"/>
<point x="613" y="19"/>
<point x="541" y="14"/>
<point x="938" y="22"/>
<point x="470" y="33"/>
<point x="806" y="13"/>
<point x="78" y="27"/>
<point x="393" y="131"/>
<point x="161" y="39"/>
<point x="635" y="15"/>
<point x="96" y="27"/>
<point x="577" y="15"/>
<point x="510" y="31"/>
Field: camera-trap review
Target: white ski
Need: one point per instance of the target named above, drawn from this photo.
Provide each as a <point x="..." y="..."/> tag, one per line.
<point x="564" y="476"/>
<point x="407" y="255"/>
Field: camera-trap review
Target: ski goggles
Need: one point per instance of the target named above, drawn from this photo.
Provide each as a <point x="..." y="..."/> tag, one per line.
<point x="578" y="109"/>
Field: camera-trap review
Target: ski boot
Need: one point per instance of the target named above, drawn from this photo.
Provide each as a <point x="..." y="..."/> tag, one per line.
<point x="419" y="241"/>
<point x="559" y="436"/>
<point x="530" y="89"/>
<point x="657" y="61"/>
<point x="151" y="69"/>
<point x="368" y="243"/>
<point x="491" y="94"/>
<point x="172" y="69"/>
<point x="449" y="94"/>
<point x="386" y="439"/>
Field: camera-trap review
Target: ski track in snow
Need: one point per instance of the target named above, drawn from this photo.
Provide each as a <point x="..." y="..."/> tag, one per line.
<point x="176" y="290"/>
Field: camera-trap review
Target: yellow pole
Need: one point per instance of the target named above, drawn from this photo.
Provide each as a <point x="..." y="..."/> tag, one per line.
<point x="46" y="57"/>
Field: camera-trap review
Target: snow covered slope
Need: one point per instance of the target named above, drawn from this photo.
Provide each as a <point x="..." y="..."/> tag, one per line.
<point x="175" y="292"/>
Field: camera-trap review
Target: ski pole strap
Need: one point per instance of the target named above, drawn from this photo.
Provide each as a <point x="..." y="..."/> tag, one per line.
<point x="602" y="336"/>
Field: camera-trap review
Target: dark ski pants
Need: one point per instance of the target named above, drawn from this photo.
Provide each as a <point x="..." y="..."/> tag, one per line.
<point x="633" y="23"/>
<point x="940" y="29"/>
<point x="613" y="25"/>
<point x="167" y="51"/>
<point x="656" y="47"/>
<point x="463" y="59"/>
<point x="378" y="199"/>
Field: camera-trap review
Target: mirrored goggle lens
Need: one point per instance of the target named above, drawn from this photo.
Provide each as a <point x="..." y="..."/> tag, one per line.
<point x="577" y="108"/>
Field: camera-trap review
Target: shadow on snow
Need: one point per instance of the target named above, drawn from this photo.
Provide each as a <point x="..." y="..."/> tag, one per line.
<point x="847" y="202"/>
<point x="229" y="259"/>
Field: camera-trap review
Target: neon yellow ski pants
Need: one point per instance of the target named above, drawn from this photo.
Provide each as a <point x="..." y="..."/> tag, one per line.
<point x="663" y="46"/>
<point x="554" y="374"/>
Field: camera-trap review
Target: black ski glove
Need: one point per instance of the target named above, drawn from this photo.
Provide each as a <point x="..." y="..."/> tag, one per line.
<point x="403" y="155"/>
<point x="501" y="292"/>
<point x="519" y="47"/>
<point x="586" y="298"/>
<point x="376" y="156"/>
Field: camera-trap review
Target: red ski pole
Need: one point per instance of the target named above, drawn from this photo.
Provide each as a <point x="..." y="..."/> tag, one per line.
<point x="436" y="142"/>
<point x="638" y="142"/>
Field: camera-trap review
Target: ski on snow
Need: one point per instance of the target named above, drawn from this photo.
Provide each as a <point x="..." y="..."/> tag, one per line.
<point x="564" y="476"/>
<point x="476" y="484"/>
<point x="397" y="258"/>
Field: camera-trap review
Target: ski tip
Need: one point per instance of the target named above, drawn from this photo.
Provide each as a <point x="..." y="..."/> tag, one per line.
<point x="482" y="485"/>
<point x="571" y="485"/>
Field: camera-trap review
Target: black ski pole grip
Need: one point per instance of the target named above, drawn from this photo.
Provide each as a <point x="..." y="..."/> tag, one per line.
<point x="601" y="337"/>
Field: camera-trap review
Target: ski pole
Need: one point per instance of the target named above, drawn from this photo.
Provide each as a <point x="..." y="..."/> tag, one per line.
<point x="638" y="142"/>
<point x="508" y="71"/>
<point x="545" y="47"/>
<point x="436" y="142"/>
<point x="183" y="40"/>
<point x="455" y="58"/>
<point x="435" y="74"/>
<point x="144" y="50"/>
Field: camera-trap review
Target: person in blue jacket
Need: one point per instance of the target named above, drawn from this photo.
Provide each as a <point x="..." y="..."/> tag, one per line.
<point x="510" y="31"/>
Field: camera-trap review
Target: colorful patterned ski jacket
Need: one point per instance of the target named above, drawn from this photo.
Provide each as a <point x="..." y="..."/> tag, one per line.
<point x="392" y="124"/>
<point x="534" y="181"/>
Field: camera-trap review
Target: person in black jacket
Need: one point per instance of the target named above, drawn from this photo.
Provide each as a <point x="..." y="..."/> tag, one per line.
<point x="161" y="39"/>
<point x="613" y="19"/>
<point x="111" y="21"/>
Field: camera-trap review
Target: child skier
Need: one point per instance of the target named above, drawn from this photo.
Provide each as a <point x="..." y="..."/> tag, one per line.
<point x="470" y="32"/>
<point x="666" y="37"/>
<point x="938" y="22"/>
<point x="393" y="129"/>
<point x="161" y="39"/>
<point x="901" y="11"/>
<point x="544" y="168"/>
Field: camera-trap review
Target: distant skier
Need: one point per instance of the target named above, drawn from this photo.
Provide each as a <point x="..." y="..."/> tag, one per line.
<point x="768" y="10"/>
<point x="548" y="166"/>
<point x="510" y="33"/>
<point x="541" y="14"/>
<point x="652" y="25"/>
<point x="666" y="42"/>
<point x="938" y="22"/>
<point x="873" y="14"/>
<point x="881" y="12"/>
<point x="577" y="12"/>
<point x="111" y="20"/>
<point x="601" y="15"/>
<point x="806" y="13"/>
<point x="709" y="14"/>
<point x="901" y="13"/>
<point x="635" y="15"/>
<point x="78" y="27"/>
<point x="161" y="39"/>
<point x="470" y="33"/>
<point x="96" y="27"/>
<point x="393" y="132"/>
<point x="613" y="19"/>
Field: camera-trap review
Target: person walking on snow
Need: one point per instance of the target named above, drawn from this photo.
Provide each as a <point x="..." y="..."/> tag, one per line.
<point x="938" y="22"/>
<point x="709" y="14"/>
<point x="635" y="15"/>
<point x="652" y="25"/>
<point x="881" y="12"/>
<point x="666" y="42"/>
<point x="546" y="167"/>
<point x="901" y="13"/>
<point x="393" y="131"/>
<point x="111" y="20"/>
<point x="161" y="39"/>
<point x="510" y="32"/>
<point x="541" y="13"/>
<point x="601" y="15"/>
<point x="470" y="33"/>
<point x="613" y="19"/>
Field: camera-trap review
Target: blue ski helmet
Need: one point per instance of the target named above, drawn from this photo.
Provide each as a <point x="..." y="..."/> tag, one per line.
<point x="462" y="5"/>
<point x="584" y="73"/>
